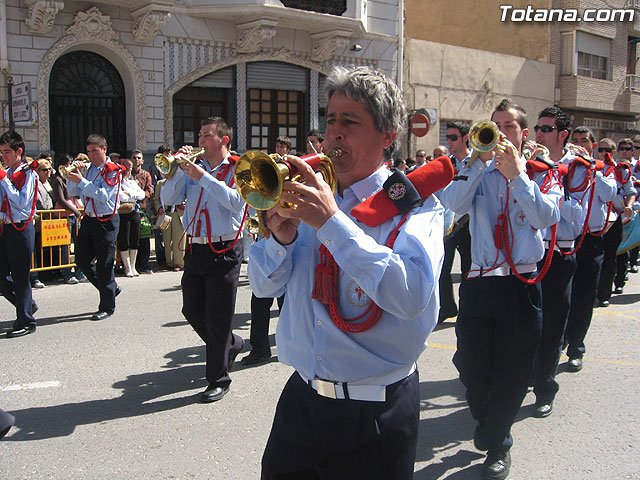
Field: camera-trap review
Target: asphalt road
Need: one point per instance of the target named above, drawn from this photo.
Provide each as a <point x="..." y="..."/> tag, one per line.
<point x="119" y="398"/>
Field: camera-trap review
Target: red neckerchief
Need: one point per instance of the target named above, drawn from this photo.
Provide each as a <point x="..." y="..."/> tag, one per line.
<point x="108" y="168"/>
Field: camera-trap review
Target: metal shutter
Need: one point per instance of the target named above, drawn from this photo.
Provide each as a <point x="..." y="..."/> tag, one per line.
<point x="276" y="76"/>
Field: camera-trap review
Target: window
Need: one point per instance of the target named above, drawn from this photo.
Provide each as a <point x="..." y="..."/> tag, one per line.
<point x="274" y="113"/>
<point x="333" y="7"/>
<point x="593" y="66"/>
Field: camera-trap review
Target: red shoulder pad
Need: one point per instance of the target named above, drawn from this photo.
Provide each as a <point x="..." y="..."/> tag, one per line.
<point x="34" y="165"/>
<point x="110" y="167"/>
<point x="579" y="160"/>
<point x="18" y="178"/>
<point x="599" y="165"/>
<point x="427" y="179"/>
<point x="3" y="173"/>
<point x="535" y="166"/>
<point x="233" y="159"/>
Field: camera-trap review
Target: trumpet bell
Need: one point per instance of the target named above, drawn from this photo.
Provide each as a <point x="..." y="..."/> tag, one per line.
<point x="80" y="167"/>
<point x="484" y="135"/>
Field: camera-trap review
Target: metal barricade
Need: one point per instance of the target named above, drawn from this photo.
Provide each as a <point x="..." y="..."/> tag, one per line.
<point x="53" y="247"/>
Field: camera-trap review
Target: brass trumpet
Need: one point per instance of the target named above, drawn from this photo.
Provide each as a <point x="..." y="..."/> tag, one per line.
<point x="79" y="166"/>
<point x="484" y="136"/>
<point x="259" y="178"/>
<point x="167" y="164"/>
<point x="543" y="156"/>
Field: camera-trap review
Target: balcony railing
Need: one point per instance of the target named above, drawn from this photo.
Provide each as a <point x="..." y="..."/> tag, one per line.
<point x="632" y="83"/>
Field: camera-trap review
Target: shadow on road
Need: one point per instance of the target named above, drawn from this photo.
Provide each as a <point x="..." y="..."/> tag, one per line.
<point x="625" y="299"/>
<point x="182" y="372"/>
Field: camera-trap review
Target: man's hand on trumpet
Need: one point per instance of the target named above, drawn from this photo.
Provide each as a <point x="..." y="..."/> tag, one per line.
<point x="191" y="169"/>
<point x="313" y="202"/>
<point x="508" y="161"/>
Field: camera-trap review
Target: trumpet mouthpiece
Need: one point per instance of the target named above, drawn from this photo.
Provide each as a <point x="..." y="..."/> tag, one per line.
<point x="336" y="152"/>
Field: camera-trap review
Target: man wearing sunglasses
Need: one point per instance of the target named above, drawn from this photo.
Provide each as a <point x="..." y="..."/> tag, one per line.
<point x="421" y="157"/>
<point x="499" y="323"/>
<point x="459" y="237"/>
<point x="552" y="131"/>
<point x="590" y="256"/>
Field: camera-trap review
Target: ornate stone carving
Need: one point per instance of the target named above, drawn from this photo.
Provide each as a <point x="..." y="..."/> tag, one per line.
<point x="252" y="34"/>
<point x="85" y="22"/>
<point x="92" y="25"/>
<point x="146" y="26"/>
<point x="42" y="14"/>
<point x="325" y="44"/>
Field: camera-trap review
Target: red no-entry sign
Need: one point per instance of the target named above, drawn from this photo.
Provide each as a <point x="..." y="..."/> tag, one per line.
<point x="419" y="125"/>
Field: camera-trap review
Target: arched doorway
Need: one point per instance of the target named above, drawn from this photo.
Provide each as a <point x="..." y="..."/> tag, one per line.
<point x="86" y="95"/>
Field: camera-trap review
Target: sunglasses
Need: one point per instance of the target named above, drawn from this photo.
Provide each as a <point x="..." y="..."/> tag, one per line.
<point x="420" y="155"/>
<point x="624" y="149"/>
<point x="453" y="137"/>
<point x="45" y="169"/>
<point x="544" y="128"/>
<point x="605" y="149"/>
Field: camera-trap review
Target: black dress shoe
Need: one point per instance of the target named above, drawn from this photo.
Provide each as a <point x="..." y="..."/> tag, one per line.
<point x="21" y="332"/>
<point x="213" y="394"/>
<point x="100" y="315"/>
<point x="602" y="303"/>
<point x="233" y="353"/>
<point x="542" y="410"/>
<point x="574" y="364"/>
<point x="118" y="291"/>
<point x="256" y="357"/>
<point x="496" y="466"/>
<point x="617" y="290"/>
<point x="34" y="308"/>
<point x="634" y="269"/>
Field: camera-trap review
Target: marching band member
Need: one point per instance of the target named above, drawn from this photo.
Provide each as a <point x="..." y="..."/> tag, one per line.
<point x="18" y="186"/>
<point x="590" y="256"/>
<point x="622" y="207"/>
<point x="552" y="131"/>
<point x="499" y="323"/>
<point x="212" y="220"/>
<point x="354" y="330"/>
<point x="98" y="187"/>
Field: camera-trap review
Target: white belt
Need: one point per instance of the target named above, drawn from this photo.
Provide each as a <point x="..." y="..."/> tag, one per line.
<point x="560" y="244"/>
<point x="215" y="239"/>
<point x="353" y="391"/>
<point x="501" y="271"/>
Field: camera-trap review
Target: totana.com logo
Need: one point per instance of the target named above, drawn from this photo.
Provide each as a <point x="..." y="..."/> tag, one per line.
<point x="530" y="14"/>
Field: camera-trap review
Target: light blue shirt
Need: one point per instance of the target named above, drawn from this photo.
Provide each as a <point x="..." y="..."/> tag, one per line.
<point x="99" y="198"/>
<point x="20" y="201"/>
<point x="624" y="190"/>
<point x="484" y="194"/>
<point x="223" y="204"/>
<point x="403" y="281"/>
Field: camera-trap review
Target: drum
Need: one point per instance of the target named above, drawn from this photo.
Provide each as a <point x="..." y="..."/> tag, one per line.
<point x="163" y="222"/>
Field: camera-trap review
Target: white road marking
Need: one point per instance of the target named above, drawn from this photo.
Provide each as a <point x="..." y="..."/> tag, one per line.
<point x="32" y="386"/>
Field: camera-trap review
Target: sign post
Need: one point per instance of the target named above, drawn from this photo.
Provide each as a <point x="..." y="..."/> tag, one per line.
<point x="20" y="103"/>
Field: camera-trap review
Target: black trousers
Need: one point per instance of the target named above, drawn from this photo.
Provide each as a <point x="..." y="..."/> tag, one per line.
<point x="556" y="301"/>
<point x="460" y="239"/>
<point x="260" y="317"/>
<point x="611" y="241"/>
<point x="129" y="231"/>
<point x="97" y="240"/>
<point x="498" y="331"/>
<point x="209" y="286"/>
<point x="583" y="293"/>
<point x="16" y="248"/>
<point x="633" y="256"/>
<point x="314" y="437"/>
<point x="622" y="265"/>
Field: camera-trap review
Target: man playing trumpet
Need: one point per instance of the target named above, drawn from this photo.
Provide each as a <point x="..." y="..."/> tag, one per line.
<point x="499" y="323"/>
<point x="351" y="408"/>
<point x="212" y="219"/>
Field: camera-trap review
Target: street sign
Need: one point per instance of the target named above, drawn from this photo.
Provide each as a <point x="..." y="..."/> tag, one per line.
<point x="21" y="102"/>
<point x="419" y="125"/>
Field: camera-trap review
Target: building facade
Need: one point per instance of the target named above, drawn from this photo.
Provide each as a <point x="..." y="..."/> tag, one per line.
<point x="145" y="73"/>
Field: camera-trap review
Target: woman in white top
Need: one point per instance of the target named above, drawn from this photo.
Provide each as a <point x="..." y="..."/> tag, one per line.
<point x="129" y="233"/>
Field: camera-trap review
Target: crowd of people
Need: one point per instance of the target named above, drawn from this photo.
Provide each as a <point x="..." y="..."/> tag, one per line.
<point x="537" y="225"/>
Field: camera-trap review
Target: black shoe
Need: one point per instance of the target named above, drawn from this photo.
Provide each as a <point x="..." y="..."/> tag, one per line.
<point x="233" y="353"/>
<point x="480" y="440"/>
<point x="100" y="315"/>
<point x="634" y="269"/>
<point x="213" y="394"/>
<point x="574" y="364"/>
<point x="602" y="303"/>
<point x="118" y="291"/>
<point x="542" y="409"/>
<point x="21" y="332"/>
<point x="496" y="466"/>
<point x="255" y="357"/>
<point x="34" y="308"/>
<point x="6" y="422"/>
<point x="617" y="290"/>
